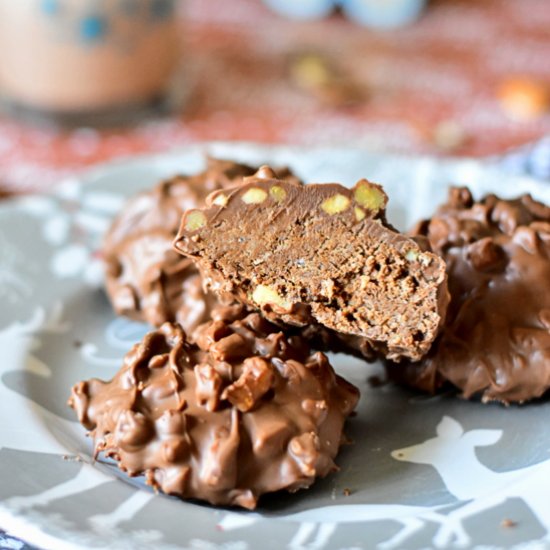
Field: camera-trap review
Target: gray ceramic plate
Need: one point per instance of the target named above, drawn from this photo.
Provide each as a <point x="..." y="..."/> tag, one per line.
<point x="466" y="474"/>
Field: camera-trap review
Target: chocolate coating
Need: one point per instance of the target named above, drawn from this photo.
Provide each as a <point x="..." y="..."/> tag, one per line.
<point x="496" y="340"/>
<point x="320" y="255"/>
<point x="244" y="411"/>
<point x="145" y="279"/>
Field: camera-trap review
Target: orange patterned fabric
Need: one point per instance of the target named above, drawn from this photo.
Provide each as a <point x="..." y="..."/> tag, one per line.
<point x="449" y="84"/>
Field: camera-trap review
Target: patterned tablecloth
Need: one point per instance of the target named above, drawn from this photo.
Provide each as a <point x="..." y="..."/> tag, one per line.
<point x="440" y="86"/>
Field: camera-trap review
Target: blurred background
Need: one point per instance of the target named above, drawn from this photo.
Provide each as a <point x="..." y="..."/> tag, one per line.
<point x="83" y="81"/>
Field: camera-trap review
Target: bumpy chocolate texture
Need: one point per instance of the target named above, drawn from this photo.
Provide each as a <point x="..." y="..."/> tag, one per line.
<point x="320" y="255"/>
<point x="496" y="340"/>
<point x="244" y="411"/>
<point x="145" y="279"/>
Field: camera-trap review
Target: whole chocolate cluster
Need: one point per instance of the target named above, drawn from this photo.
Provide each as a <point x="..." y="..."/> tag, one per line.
<point x="145" y="278"/>
<point x="496" y="340"/>
<point x="244" y="411"/>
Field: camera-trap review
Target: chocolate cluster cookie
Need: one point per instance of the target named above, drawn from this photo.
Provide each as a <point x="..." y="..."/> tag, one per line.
<point x="145" y="279"/>
<point x="320" y="256"/>
<point x="496" y="339"/>
<point x="243" y="411"/>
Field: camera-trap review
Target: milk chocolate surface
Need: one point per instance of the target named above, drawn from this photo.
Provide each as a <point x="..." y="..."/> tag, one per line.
<point x="146" y="280"/>
<point x="496" y="340"/>
<point x="243" y="411"/>
<point x="320" y="255"/>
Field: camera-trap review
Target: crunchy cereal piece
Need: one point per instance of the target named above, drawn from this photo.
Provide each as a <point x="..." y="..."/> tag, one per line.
<point x="254" y="382"/>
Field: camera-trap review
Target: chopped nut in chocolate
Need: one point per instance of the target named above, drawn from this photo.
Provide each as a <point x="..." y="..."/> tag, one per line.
<point x="320" y="255"/>
<point x="146" y="280"/>
<point x="496" y="340"/>
<point x="244" y="411"/>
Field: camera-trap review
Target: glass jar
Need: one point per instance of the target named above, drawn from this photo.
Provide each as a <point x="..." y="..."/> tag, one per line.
<point x="87" y="61"/>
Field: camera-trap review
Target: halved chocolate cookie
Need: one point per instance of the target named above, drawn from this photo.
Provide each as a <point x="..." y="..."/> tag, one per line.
<point x="321" y="255"/>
